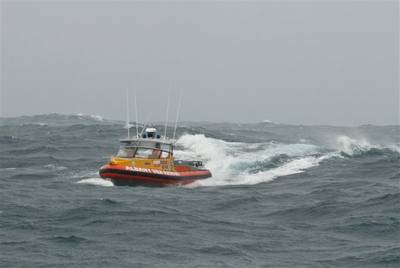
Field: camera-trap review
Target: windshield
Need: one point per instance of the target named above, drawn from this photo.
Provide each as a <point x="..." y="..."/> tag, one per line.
<point x="144" y="153"/>
<point x="139" y="152"/>
<point x="125" y="152"/>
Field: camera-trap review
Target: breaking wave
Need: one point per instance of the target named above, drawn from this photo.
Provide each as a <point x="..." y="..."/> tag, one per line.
<point x="234" y="163"/>
<point x="353" y="147"/>
<point x="90" y="116"/>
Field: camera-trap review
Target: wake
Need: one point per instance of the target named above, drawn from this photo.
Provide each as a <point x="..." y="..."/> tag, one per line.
<point x="240" y="163"/>
<point x="96" y="182"/>
<point x="235" y="163"/>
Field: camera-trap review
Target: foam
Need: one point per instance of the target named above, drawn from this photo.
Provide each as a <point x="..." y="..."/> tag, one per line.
<point x="228" y="160"/>
<point x="96" y="182"/>
<point x="34" y="124"/>
<point x="97" y="117"/>
<point x="93" y="116"/>
<point x="351" y="146"/>
<point x="54" y="167"/>
<point x="8" y="168"/>
<point x="395" y="148"/>
<point x="293" y="167"/>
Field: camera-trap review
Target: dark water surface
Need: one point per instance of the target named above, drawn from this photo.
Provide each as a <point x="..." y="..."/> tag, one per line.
<point x="281" y="196"/>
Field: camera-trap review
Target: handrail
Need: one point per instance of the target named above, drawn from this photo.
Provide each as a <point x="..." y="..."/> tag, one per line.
<point x="144" y="147"/>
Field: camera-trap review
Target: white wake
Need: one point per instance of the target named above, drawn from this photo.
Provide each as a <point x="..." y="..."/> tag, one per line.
<point x="229" y="162"/>
<point x="96" y="182"/>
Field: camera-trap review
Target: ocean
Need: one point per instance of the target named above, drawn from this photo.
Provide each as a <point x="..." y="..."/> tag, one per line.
<point x="280" y="196"/>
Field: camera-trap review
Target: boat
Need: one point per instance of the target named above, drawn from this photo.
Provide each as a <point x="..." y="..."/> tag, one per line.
<point x="148" y="160"/>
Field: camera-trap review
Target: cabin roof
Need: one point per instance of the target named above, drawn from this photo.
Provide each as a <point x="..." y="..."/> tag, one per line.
<point x="150" y="129"/>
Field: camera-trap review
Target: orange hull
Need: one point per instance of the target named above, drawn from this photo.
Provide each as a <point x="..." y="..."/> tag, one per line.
<point x="125" y="175"/>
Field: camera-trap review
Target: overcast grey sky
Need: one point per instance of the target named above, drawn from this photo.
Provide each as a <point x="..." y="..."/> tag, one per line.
<point x="299" y="62"/>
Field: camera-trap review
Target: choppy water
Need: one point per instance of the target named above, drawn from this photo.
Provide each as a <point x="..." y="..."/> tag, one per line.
<point x="281" y="196"/>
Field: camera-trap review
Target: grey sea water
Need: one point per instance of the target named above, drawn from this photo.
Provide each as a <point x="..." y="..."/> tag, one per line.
<point x="281" y="196"/>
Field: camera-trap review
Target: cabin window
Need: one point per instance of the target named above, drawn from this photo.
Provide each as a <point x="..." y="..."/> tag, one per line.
<point x="145" y="149"/>
<point x="164" y="154"/>
<point x="126" y="152"/>
<point x="144" y="153"/>
<point x="147" y="144"/>
<point x="166" y="147"/>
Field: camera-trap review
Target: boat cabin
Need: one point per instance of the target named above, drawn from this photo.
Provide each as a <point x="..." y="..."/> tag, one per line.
<point x="145" y="148"/>
<point x="148" y="151"/>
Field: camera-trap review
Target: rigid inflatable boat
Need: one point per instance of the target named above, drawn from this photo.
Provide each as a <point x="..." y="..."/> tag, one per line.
<point x="149" y="161"/>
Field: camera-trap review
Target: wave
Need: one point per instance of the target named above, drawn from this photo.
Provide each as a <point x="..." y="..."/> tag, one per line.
<point x="234" y="163"/>
<point x="96" y="182"/>
<point x="54" y="167"/>
<point x="293" y="167"/>
<point x="68" y="239"/>
<point x="41" y="124"/>
<point x="55" y="119"/>
<point x="33" y="149"/>
<point x="90" y="116"/>
<point x="353" y="147"/>
<point x="8" y="168"/>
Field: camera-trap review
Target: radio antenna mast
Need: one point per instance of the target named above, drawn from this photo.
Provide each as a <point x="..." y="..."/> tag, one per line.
<point x="177" y="113"/>
<point x="166" y="117"/>
<point x="136" y="116"/>
<point x="127" y="113"/>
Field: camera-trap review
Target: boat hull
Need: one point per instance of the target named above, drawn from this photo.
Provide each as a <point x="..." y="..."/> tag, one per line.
<point x="124" y="175"/>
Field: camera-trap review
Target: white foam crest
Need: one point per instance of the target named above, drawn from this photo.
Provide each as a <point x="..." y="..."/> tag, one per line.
<point x="8" y="168"/>
<point x="97" y="117"/>
<point x="93" y="116"/>
<point x="293" y="167"/>
<point x="97" y="182"/>
<point x="395" y="148"/>
<point x="223" y="159"/>
<point x="54" y="167"/>
<point x="351" y="146"/>
<point x="34" y="124"/>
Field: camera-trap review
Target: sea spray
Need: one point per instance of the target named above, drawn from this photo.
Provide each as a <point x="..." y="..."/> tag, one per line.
<point x="230" y="162"/>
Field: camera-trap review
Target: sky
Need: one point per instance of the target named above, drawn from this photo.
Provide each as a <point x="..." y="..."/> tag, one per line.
<point x="295" y="62"/>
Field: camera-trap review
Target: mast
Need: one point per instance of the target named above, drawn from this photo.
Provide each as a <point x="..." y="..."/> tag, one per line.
<point x="166" y="117"/>
<point x="136" y="116"/>
<point x="177" y="113"/>
<point x="127" y="113"/>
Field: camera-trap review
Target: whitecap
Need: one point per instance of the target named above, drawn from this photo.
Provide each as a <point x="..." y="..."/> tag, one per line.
<point x="54" y="167"/>
<point x="228" y="160"/>
<point x="97" y="117"/>
<point x="90" y="116"/>
<point x="96" y="182"/>
<point x="352" y="146"/>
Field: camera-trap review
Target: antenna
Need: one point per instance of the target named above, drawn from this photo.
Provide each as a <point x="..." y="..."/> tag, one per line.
<point x="136" y="116"/>
<point x="127" y="113"/>
<point x="166" y="117"/>
<point x="177" y="112"/>
<point x="144" y="127"/>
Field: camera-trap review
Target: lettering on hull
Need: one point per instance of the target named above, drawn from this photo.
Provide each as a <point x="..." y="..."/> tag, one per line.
<point x="155" y="171"/>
